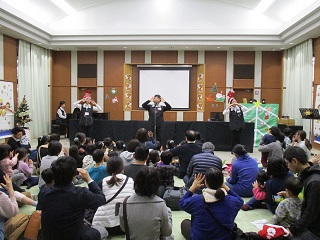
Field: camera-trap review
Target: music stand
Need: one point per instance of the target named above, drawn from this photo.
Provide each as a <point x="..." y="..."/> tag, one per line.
<point x="309" y="113"/>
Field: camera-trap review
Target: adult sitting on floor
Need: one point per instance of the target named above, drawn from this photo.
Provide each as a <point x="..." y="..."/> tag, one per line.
<point x="63" y="205"/>
<point x="201" y="162"/>
<point x="243" y="173"/>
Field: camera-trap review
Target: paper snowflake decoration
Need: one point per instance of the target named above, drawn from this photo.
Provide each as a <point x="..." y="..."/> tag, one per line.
<point x="114" y="91"/>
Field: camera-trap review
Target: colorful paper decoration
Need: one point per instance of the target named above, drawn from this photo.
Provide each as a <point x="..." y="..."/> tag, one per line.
<point x="114" y="91"/>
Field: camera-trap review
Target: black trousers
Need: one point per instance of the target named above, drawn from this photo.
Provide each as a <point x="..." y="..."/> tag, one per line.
<point x="236" y="136"/>
<point x="87" y="130"/>
<point x="185" y="228"/>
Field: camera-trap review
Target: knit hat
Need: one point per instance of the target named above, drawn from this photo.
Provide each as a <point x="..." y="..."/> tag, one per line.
<point x="270" y="231"/>
<point x="230" y="100"/>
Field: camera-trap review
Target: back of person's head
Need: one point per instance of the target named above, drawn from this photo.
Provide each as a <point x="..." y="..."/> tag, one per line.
<point x="293" y="184"/>
<point x="142" y="135"/>
<point x="277" y="167"/>
<point x="287" y="131"/>
<point x="275" y="131"/>
<point x="47" y="175"/>
<point x="280" y="137"/>
<point x="132" y="145"/>
<point x="98" y="155"/>
<point x="262" y="177"/>
<point x="303" y="136"/>
<point x="239" y="150"/>
<point x="112" y="154"/>
<point x="141" y="153"/>
<point x="208" y="146"/>
<point x="73" y="151"/>
<point x="147" y="182"/>
<point x="170" y="144"/>
<point x="154" y="156"/>
<point x="191" y="135"/>
<point x="108" y="142"/>
<point x="214" y="180"/>
<point x="22" y="153"/>
<point x="54" y="137"/>
<point x="90" y="149"/>
<point x="64" y="169"/>
<point x="42" y="140"/>
<point x="5" y="150"/>
<point x="158" y="147"/>
<point x="79" y="138"/>
<point x="100" y="145"/>
<point x="120" y="145"/>
<point x="166" y="157"/>
<point x="88" y="141"/>
<point x="114" y="167"/>
<point x="54" y="148"/>
<point x="295" y="152"/>
<point x="16" y="130"/>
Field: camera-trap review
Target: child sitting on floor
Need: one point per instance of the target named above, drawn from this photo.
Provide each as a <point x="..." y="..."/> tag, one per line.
<point x="289" y="209"/>
<point x="259" y="191"/>
<point x="99" y="171"/>
<point x="47" y="176"/>
<point x="270" y="137"/>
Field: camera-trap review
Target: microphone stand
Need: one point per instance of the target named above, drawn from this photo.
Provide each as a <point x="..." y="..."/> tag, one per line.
<point x="155" y="123"/>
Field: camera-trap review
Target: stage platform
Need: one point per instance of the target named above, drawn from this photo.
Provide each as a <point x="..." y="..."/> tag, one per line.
<point x="216" y="132"/>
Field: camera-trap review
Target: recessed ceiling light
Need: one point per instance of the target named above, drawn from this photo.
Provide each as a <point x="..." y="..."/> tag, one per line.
<point x="218" y="47"/>
<point x="125" y="47"/>
<point x="155" y="47"/>
<point x="291" y="43"/>
<point x="282" y="48"/>
<point x="39" y="43"/>
<point x="187" y="47"/>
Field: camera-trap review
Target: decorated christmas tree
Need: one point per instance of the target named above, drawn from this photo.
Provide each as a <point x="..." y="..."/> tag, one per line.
<point x="23" y="113"/>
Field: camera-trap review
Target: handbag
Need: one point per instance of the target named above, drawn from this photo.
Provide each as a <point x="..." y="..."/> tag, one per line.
<point x="236" y="233"/>
<point x="172" y="197"/>
<point x="90" y="212"/>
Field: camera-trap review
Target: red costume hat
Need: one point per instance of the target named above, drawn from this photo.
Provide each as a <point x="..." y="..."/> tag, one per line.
<point x="270" y="231"/>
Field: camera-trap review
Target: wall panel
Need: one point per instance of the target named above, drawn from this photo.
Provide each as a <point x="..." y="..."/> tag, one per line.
<point x="216" y="63"/>
<point x="137" y="57"/>
<point x="191" y="57"/>
<point x="165" y="57"/>
<point x="244" y="57"/>
<point x="271" y="75"/>
<point x="115" y="109"/>
<point x="87" y="57"/>
<point x="114" y="68"/>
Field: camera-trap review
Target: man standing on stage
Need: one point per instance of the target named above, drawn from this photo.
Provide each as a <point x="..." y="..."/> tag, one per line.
<point x="156" y="106"/>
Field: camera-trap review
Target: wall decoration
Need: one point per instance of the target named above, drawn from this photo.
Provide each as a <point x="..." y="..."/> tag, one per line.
<point x="6" y="106"/>
<point x="107" y="96"/>
<point x="113" y="91"/>
<point x="128" y="92"/>
<point x="200" y="92"/>
<point x="263" y="116"/>
<point x="115" y="100"/>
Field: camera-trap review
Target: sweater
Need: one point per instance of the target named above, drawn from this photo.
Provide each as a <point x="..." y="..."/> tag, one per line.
<point x="127" y="158"/>
<point x="105" y="215"/>
<point x="273" y="149"/>
<point x="243" y="174"/>
<point x="98" y="173"/>
<point x="148" y="218"/>
<point x="6" y="165"/>
<point x="287" y="212"/>
<point x="25" y="168"/>
<point x="45" y="163"/>
<point x="203" y="226"/>
<point x="9" y="207"/>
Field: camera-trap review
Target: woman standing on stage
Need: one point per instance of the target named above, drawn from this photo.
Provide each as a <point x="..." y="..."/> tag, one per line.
<point x="87" y="106"/>
<point x="236" y="120"/>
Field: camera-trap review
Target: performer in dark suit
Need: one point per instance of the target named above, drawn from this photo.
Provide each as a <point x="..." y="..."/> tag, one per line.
<point x="236" y="120"/>
<point x="63" y="205"/>
<point x="156" y="106"/>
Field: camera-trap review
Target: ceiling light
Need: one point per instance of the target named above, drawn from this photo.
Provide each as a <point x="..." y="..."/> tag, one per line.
<point x="125" y="47"/>
<point x="282" y="48"/>
<point x="39" y="43"/>
<point x="155" y="47"/>
<point x="187" y="47"/>
<point x="290" y="43"/>
<point x="64" y="6"/>
<point x="218" y="47"/>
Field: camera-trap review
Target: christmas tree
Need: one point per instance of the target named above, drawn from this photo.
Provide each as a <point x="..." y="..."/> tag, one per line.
<point x="22" y="114"/>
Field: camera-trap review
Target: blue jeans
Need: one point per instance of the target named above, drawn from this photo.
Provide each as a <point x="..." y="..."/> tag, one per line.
<point x="253" y="203"/>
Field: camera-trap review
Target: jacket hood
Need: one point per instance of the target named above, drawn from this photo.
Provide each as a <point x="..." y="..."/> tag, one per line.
<point x="127" y="156"/>
<point x="208" y="195"/>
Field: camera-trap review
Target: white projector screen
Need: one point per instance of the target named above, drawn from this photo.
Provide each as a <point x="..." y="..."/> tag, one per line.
<point x="172" y="84"/>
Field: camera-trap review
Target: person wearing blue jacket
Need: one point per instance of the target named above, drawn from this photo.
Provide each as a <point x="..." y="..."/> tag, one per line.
<point x="243" y="173"/>
<point x="213" y="212"/>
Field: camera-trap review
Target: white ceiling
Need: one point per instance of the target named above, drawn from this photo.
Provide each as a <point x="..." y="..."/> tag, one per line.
<point x="162" y="24"/>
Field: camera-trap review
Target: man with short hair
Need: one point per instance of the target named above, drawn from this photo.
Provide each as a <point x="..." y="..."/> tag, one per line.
<point x="186" y="151"/>
<point x="63" y="205"/>
<point x="308" y="225"/>
<point x="141" y="155"/>
<point x="201" y="162"/>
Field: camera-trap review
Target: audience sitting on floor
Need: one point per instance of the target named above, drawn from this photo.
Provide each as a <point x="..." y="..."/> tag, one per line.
<point x="115" y="188"/>
<point x="201" y="162"/>
<point x="153" y="159"/>
<point x="289" y="209"/>
<point x="300" y="139"/>
<point x="99" y="170"/>
<point x="213" y="212"/>
<point x="63" y="205"/>
<point x="87" y="161"/>
<point x="147" y="215"/>
<point x="141" y="155"/>
<point x="80" y="141"/>
<point x="119" y="147"/>
<point x="74" y="152"/>
<point x="271" y="137"/>
<point x="43" y="149"/>
<point x="146" y="138"/>
<point x="128" y="155"/>
<point x="243" y="173"/>
<point x="186" y="151"/>
<point x="54" y="148"/>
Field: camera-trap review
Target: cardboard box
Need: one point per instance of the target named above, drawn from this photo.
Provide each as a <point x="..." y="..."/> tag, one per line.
<point x="287" y="121"/>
